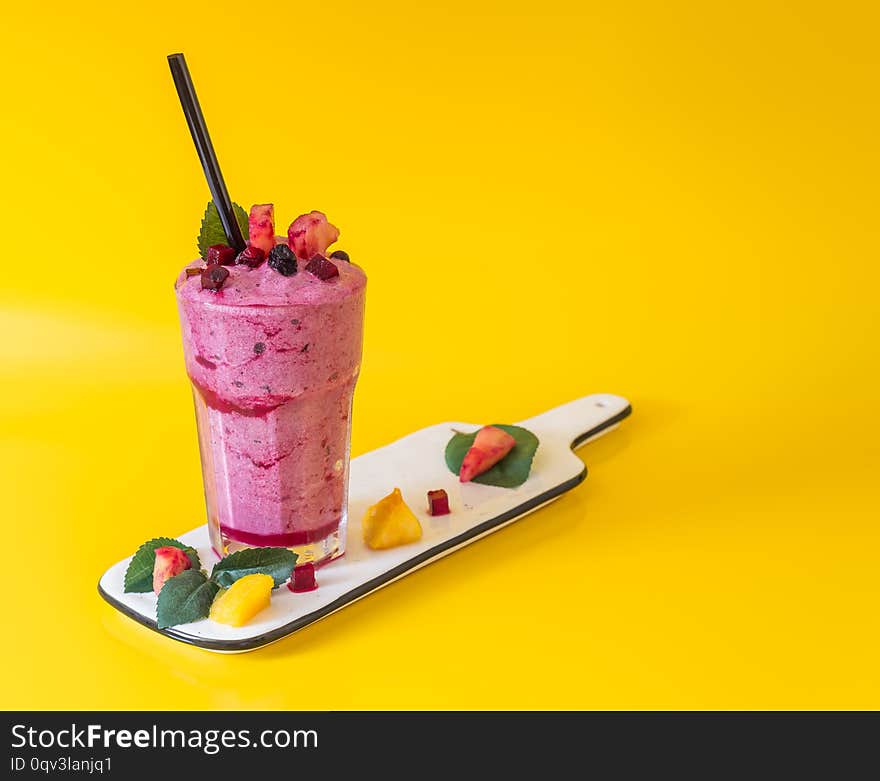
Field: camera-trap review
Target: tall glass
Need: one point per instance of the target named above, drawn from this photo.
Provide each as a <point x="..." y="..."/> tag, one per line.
<point x="273" y="362"/>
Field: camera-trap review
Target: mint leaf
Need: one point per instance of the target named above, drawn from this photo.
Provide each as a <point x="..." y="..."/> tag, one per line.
<point x="184" y="598"/>
<point x="277" y="562"/>
<point x="510" y="471"/>
<point x="212" y="229"/>
<point x="139" y="575"/>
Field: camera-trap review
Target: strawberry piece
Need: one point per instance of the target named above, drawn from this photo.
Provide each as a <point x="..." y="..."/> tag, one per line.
<point x="438" y="502"/>
<point x="490" y="446"/>
<point x="310" y="234"/>
<point x="261" y="227"/>
<point x="170" y="561"/>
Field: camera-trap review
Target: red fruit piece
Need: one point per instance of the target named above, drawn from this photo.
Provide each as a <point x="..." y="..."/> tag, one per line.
<point x="250" y="256"/>
<point x="438" y="502"/>
<point x="303" y="579"/>
<point x="220" y="255"/>
<point x="170" y="561"/>
<point x="490" y="446"/>
<point x="322" y="268"/>
<point x="310" y="234"/>
<point x="213" y="277"/>
<point x="261" y="226"/>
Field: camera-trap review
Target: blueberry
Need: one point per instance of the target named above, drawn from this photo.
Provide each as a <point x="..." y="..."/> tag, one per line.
<point x="282" y="260"/>
<point x="259" y="348"/>
<point x="340" y="254"/>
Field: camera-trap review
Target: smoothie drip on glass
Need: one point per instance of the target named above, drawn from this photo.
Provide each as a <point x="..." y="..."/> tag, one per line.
<point x="273" y="362"/>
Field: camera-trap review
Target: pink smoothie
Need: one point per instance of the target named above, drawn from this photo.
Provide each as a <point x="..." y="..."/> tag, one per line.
<point x="273" y="362"/>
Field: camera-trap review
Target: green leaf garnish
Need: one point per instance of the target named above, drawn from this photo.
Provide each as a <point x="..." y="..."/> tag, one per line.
<point x="510" y="471"/>
<point x="185" y="597"/>
<point x="277" y="562"/>
<point x="212" y="229"/>
<point x="139" y="575"/>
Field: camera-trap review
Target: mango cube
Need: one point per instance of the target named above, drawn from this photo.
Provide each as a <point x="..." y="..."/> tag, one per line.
<point x="242" y="600"/>
<point x="390" y="523"/>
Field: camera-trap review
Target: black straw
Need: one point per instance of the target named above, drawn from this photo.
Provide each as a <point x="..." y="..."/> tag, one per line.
<point x="199" y="130"/>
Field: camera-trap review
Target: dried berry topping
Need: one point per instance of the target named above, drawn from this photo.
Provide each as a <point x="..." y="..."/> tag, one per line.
<point x="322" y="268"/>
<point x="259" y="348"/>
<point x="220" y="254"/>
<point x="340" y="254"/>
<point x="213" y="277"/>
<point x="250" y="256"/>
<point x="282" y="260"/>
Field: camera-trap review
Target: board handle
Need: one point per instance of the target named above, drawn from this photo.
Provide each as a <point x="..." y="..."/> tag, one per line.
<point x="580" y="420"/>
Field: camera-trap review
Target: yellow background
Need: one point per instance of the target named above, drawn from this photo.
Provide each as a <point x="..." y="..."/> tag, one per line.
<point x="676" y="202"/>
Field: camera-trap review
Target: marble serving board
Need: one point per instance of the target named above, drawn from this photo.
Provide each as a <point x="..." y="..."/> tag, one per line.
<point x="415" y="464"/>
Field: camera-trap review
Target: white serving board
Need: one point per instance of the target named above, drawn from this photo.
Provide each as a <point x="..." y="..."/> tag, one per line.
<point x="415" y="464"/>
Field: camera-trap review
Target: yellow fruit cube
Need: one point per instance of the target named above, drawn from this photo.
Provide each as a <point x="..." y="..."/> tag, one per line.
<point x="390" y="523"/>
<point x="242" y="600"/>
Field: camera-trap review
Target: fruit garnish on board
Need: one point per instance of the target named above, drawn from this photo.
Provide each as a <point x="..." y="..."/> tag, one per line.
<point x="390" y="523"/>
<point x="141" y="569"/>
<point x="498" y="455"/>
<point x="490" y="445"/>
<point x="438" y="502"/>
<point x="242" y="600"/>
<point x="170" y="561"/>
<point x="303" y="579"/>
<point x="186" y="593"/>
